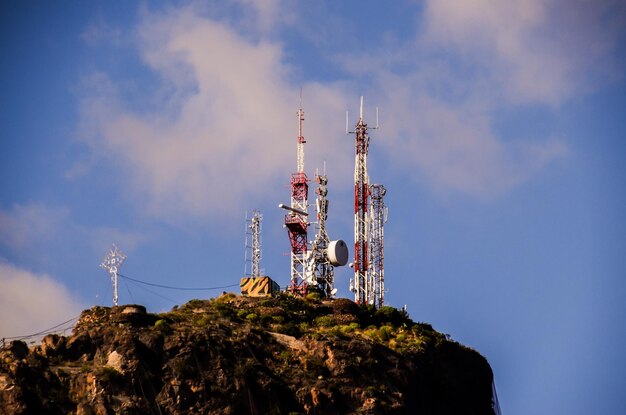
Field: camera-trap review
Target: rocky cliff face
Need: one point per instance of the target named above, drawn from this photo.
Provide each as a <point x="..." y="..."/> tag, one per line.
<point x="235" y="355"/>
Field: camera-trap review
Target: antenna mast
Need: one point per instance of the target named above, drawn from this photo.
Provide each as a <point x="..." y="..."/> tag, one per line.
<point x="253" y="232"/>
<point x="321" y="270"/>
<point x="379" y="214"/>
<point x="296" y="220"/>
<point x="362" y="284"/>
<point x="112" y="263"/>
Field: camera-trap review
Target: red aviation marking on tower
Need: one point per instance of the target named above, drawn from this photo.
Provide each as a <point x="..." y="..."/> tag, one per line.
<point x="367" y="283"/>
<point x="296" y="220"/>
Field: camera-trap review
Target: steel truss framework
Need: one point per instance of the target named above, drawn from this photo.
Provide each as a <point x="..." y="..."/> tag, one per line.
<point x="379" y="215"/>
<point x="321" y="272"/>
<point x="369" y="217"/>
<point x="112" y="263"/>
<point x="296" y="220"/>
<point x="253" y="244"/>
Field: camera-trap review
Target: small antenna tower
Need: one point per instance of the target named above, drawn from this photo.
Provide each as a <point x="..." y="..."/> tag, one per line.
<point x="321" y="271"/>
<point x="362" y="283"/>
<point x="296" y="221"/>
<point x="253" y="244"/>
<point x="112" y="263"/>
<point x="379" y="214"/>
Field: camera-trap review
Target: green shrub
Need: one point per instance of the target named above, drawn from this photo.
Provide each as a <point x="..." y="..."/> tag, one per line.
<point x="385" y="333"/>
<point x="225" y="310"/>
<point x="290" y="329"/>
<point x="163" y="326"/>
<point x="195" y="303"/>
<point x="225" y="298"/>
<point x="324" y="321"/>
<point x="345" y="329"/>
<point x="202" y="321"/>
<point x="387" y="314"/>
<point x="242" y="313"/>
<point x="278" y="319"/>
<point x="252" y="317"/>
<point x="313" y="297"/>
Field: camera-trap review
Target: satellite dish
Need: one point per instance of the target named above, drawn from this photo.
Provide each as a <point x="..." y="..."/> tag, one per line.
<point x="338" y="253"/>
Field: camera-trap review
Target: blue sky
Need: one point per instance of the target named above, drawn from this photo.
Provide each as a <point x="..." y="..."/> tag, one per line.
<point x="501" y="145"/>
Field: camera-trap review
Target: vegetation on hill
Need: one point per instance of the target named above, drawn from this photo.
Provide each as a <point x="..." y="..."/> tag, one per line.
<point x="233" y="354"/>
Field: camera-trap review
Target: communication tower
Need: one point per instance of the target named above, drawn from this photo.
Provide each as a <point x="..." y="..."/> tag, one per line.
<point x="112" y="263"/>
<point x="379" y="214"/>
<point x="296" y="221"/>
<point x="321" y="271"/>
<point x="253" y="244"/>
<point x="361" y="284"/>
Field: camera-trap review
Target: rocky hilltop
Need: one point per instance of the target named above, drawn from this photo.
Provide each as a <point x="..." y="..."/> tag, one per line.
<point x="238" y="355"/>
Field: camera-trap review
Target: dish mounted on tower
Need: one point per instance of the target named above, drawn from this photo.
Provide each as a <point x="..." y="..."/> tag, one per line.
<point x="324" y="254"/>
<point x="310" y="268"/>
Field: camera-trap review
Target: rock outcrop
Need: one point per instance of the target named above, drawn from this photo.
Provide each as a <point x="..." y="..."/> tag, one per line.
<point x="235" y="355"/>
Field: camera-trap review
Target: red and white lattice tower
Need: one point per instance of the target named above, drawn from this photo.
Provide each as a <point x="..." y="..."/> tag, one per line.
<point x="296" y="221"/>
<point x="378" y="214"/>
<point x="361" y="284"/>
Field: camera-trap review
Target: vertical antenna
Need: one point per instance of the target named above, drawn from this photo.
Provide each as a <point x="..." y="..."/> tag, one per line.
<point x="296" y="220"/>
<point x="301" y="141"/>
<point x="253" y="231"/>
<point x="112" y="263"/>
<point x="361" y="110"/>
<point x="320" y="271"/>
<point x="379" y="214"/>
<point x="367" y="283"/>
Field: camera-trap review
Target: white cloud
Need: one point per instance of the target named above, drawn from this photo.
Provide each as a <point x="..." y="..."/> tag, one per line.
<point x="454" y="148"/>
<point x="534" y="50"/>
<point x="443" y="96"/>
<point x="217" y="130"/>
<point x="268" y="14"/>
<point x="224" y="133"/>
<point x="30" y="303"/>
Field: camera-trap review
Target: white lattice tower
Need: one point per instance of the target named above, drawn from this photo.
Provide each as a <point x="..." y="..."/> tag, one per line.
<point x="253" y="243"/>
<point x="321" y="271"/>
<point x="296" y="220"/>
<point x="379" y="213"/>
<point x="361" y="284"/>
<point x="112" y="263"/>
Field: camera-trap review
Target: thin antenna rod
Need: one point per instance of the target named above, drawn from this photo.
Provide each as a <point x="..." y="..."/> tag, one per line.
<point x="361" y="110"/>
<point x="347" y="132"/>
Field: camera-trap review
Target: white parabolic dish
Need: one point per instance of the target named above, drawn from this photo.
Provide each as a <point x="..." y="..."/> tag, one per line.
<point x="338" y="253"/>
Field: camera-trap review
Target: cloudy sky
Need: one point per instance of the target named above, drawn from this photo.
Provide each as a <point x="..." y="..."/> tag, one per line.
<point x="501" y="145"/>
